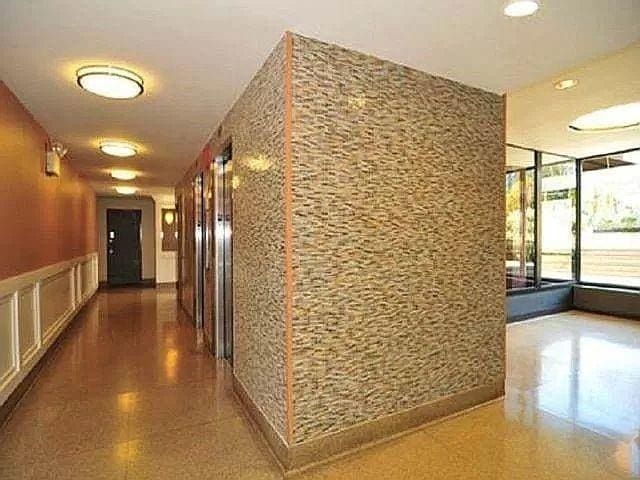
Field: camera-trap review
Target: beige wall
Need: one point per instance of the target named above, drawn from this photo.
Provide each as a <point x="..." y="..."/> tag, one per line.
<point x="166" y="262"/>
<point x="44" y="219"/>
<point x="148" y="232"/>
<point x="398" y="238"/>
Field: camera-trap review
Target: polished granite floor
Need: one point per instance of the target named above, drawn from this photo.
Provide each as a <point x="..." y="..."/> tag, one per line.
<point x="131" y="393"/>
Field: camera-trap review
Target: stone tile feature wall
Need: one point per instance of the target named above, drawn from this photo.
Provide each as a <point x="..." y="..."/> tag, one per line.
<point x="255" y="125"/>
<point x="398" y="239"/>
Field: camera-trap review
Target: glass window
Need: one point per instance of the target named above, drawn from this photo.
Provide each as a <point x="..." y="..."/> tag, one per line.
<point x="610" y="225"/>
<point x="520" y="218"/>
<point x="558" y="218"/>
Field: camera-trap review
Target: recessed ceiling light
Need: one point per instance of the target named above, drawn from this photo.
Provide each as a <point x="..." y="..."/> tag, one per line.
<point x="521" y="8"/>
<point x="566" y="84"/>
<point x="118" y="149"/>
<point x="609" y="119"/>
<point x="110" y="82"/>
<point x="126" y="190"/>
<point x="123" y="174"/>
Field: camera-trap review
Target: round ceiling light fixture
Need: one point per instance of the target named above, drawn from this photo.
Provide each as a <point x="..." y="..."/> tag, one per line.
<point x="118" y="149"/>
<point x="126" y="190"/>
<point x="123" y="174"/>
<point x="565" y="84"/>
<point x="521" y="8"/>
<point x="110" y="82"/>
<point x="609" y="119"/>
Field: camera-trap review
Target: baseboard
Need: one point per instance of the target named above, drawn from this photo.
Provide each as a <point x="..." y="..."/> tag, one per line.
<point x="25" y="384"/>
<point x="144" y="283"/>
<point x="608" y="301"/>
<point x="299" y="457"/>
<point x="522" y="305"/>
<point x="276" y="443"/>
<point x="538" y="313"/>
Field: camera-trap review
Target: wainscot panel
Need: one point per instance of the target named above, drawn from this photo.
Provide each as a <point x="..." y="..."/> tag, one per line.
<point x="35" y="307"/>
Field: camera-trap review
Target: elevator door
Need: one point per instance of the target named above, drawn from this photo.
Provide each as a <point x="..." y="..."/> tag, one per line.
<point x="198" y="297"/>
<point x="223" y="229"/>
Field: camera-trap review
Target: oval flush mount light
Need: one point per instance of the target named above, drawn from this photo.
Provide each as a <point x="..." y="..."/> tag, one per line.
<point x="609" y="119"/>
<point x="565" y="84"/>
<point x="521" y="8"/>
<point x="118" y="149"/>
<point x="123" y="174"/>
<point x="126" y="190"/>
<point x="110" y="82"/>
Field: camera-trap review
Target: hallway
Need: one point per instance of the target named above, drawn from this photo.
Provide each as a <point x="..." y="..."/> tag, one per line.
<point x="130" y="394"/>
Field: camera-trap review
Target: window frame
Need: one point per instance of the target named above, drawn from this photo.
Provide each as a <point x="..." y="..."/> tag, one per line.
<point x="576" y="265"/>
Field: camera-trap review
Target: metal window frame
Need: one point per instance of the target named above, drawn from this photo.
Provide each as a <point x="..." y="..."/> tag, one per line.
<point x="537" y="167"/>
<point x="577" y="263"/>
<point x="579" y="280"/>
<point x="537" y="235"/>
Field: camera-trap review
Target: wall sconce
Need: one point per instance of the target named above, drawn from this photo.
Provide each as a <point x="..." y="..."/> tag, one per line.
<point x="55" y="152"/>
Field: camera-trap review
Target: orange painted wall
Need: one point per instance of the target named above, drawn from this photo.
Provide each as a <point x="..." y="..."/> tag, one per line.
<point x="43" y="220"/>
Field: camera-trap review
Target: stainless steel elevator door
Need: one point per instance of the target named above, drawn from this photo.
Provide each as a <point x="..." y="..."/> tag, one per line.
<point x="199" y="250"/>
<point x="223" y="231"/>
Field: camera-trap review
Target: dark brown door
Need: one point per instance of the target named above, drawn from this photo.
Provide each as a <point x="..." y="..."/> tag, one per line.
<point x="124" y="252"/>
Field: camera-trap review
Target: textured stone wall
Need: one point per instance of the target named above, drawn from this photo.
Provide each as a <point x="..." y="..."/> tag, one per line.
<point x="255" y="125"/>
<point x="398" y="238"/>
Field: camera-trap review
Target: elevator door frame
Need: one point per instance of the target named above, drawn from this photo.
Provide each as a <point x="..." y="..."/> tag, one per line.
<point x="198" y="225"/>
<point x="223" y="234"/>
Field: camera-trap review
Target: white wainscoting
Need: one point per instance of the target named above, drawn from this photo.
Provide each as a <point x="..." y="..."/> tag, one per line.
<point x="35" y="307"/>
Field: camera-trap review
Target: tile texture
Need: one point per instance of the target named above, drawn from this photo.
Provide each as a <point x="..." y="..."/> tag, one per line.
<point x="398" y="238"/>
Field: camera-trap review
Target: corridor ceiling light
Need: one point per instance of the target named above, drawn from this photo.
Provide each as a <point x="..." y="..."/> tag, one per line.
<point x="521" y="8"/>
<point x="126" y="190"/>
<point x="123" y="174"/>
<point x="609" y="119"/>
<point x="118" y="149"/>
<point x="566" y="84"/>
<point x="110" y="82"/>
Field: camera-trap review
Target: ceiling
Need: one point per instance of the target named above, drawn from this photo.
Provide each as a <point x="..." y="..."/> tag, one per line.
<point x="196" y="56"/>
<point x="538" y="116"/>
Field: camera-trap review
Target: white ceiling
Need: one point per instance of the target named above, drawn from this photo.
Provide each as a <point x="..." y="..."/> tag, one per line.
<point x="538" y="116"/>
<point x="197" y="55"/>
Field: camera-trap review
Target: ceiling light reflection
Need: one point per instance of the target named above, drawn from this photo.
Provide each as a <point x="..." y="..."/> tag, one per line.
<point x="258" y="163"/>
<point x="521" y="8"/>
<point x="565" y="84"/>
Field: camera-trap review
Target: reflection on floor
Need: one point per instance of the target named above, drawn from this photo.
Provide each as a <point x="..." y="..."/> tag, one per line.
<point x="131" y="394"/>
